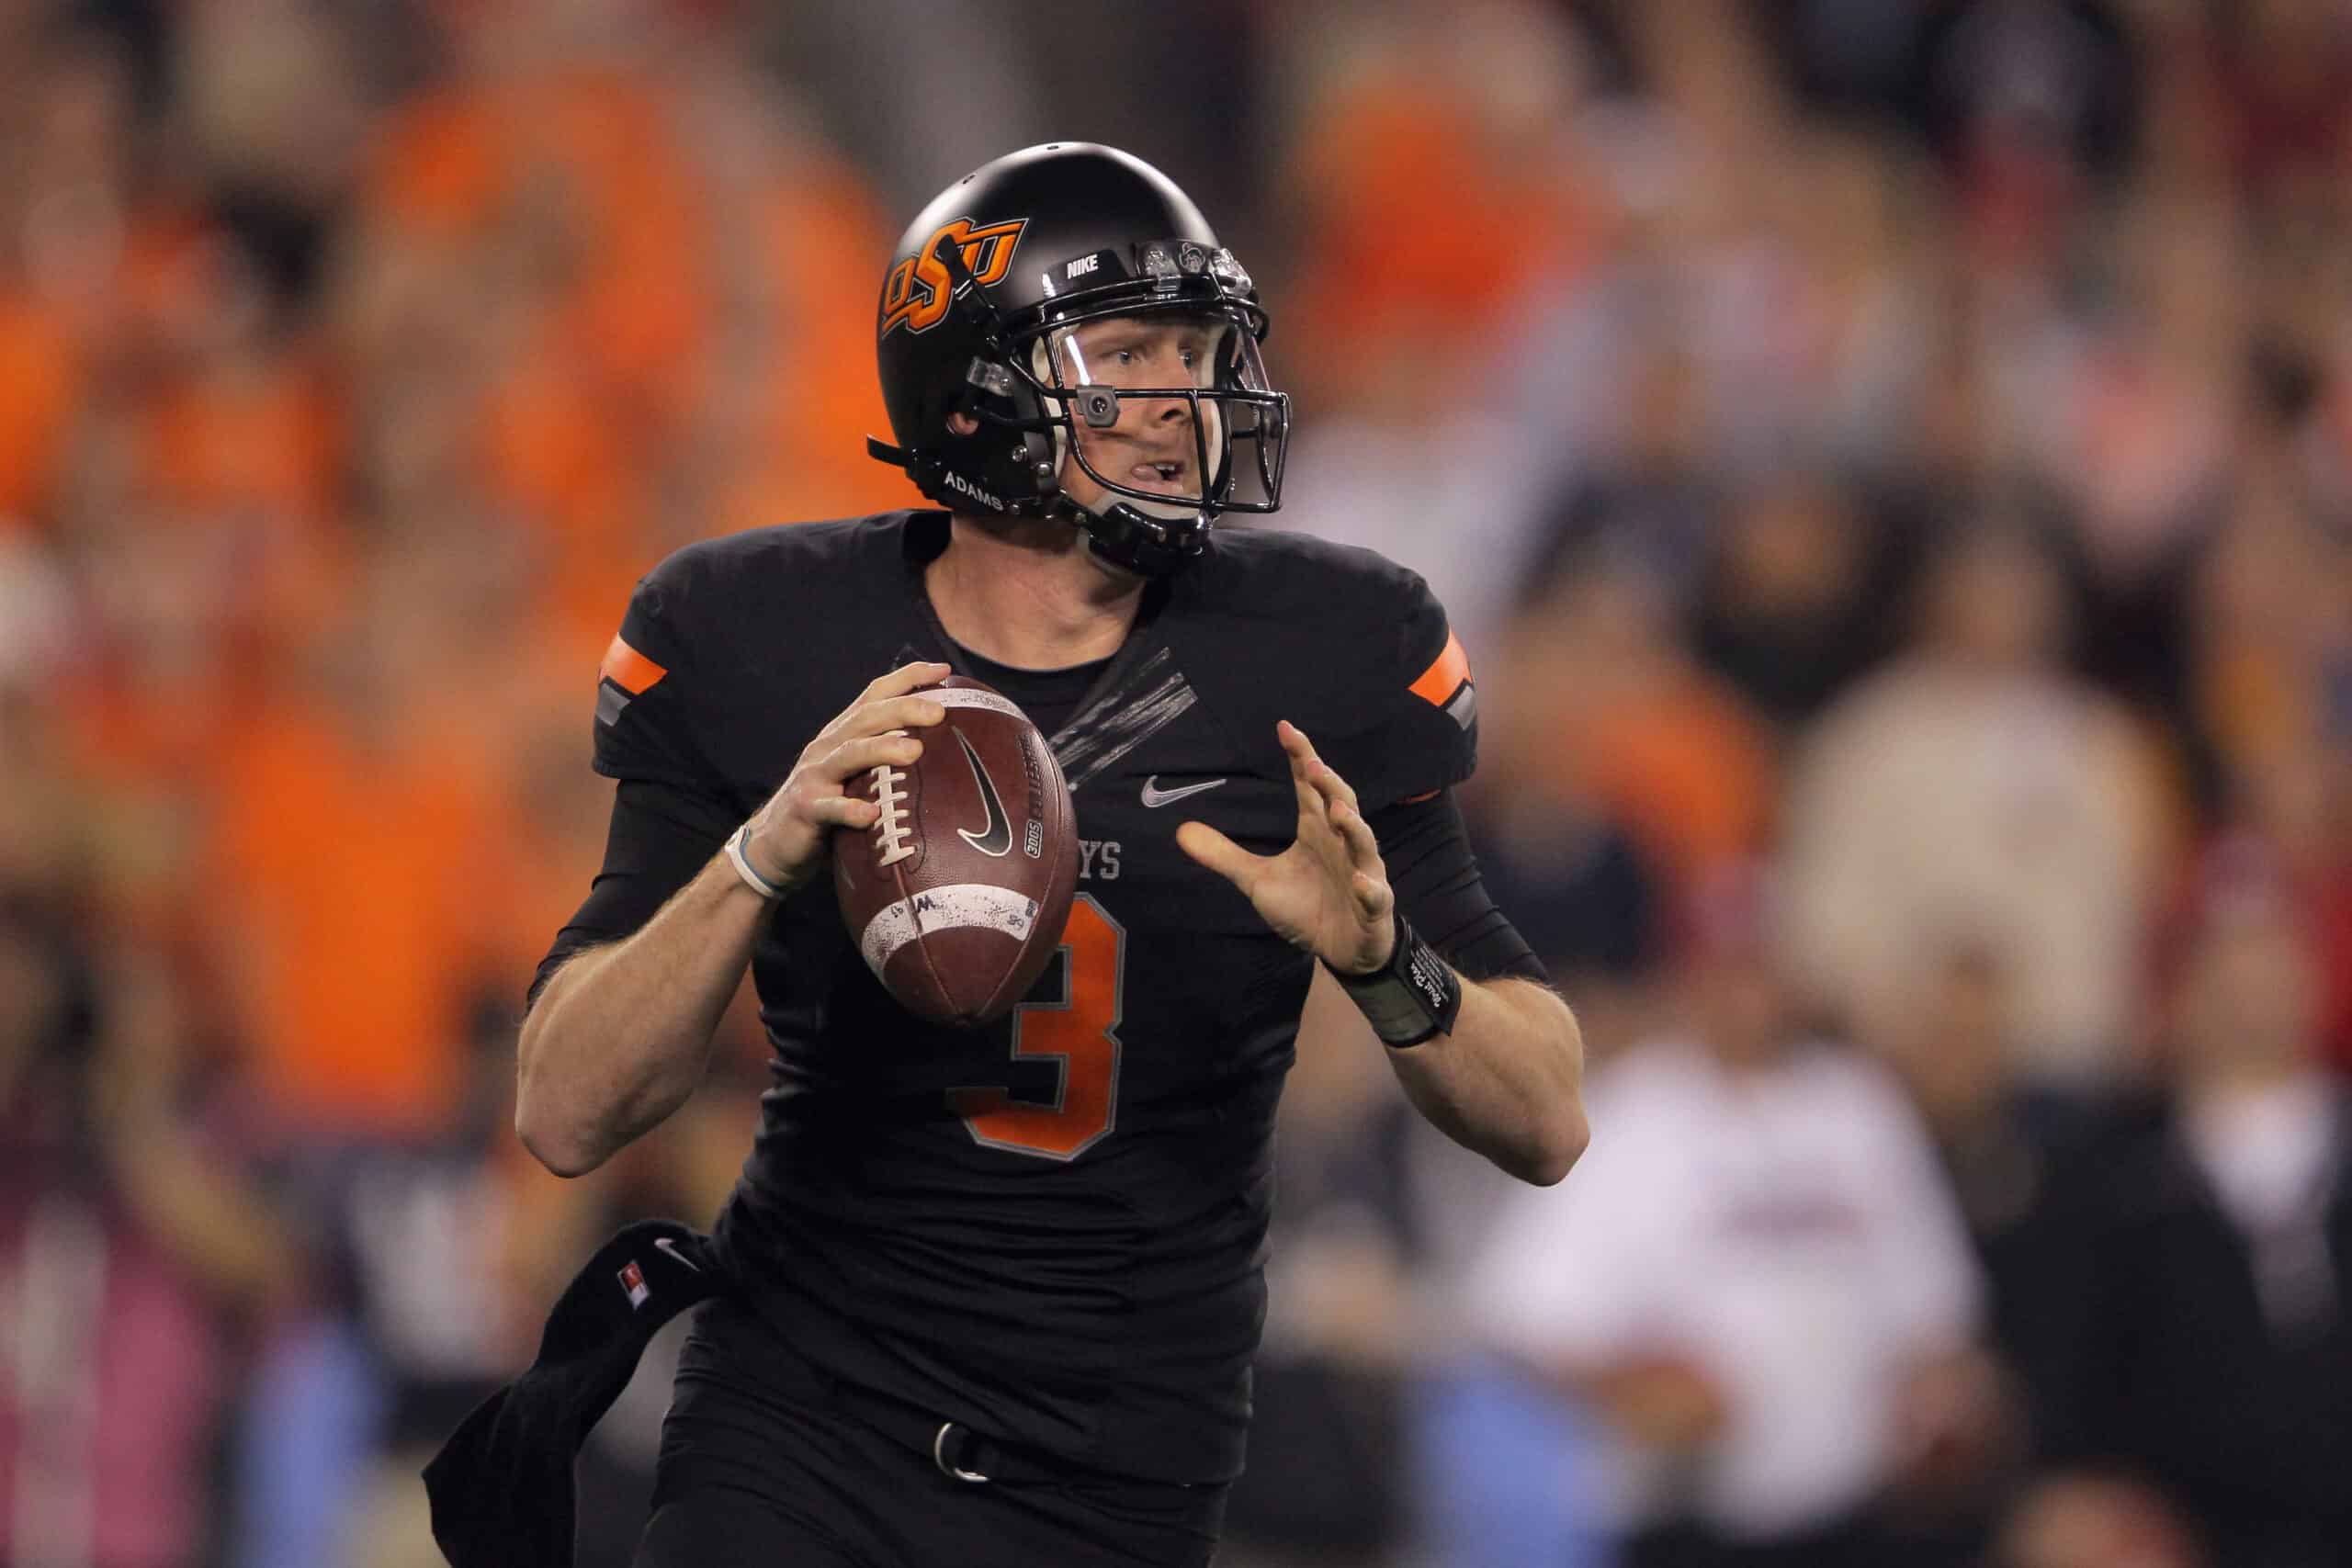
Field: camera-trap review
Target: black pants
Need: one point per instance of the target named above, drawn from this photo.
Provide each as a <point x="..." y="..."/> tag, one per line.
<point x="790" y="1470"/>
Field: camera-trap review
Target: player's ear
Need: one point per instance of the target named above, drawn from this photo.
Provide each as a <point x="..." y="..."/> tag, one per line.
<point x="963" y="423"/>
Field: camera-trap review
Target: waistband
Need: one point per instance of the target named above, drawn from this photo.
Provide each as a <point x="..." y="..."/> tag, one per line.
<point x="959" y="1452"/>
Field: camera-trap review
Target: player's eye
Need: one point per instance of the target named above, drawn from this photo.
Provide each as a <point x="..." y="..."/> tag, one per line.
<point x="1123" y="356"/>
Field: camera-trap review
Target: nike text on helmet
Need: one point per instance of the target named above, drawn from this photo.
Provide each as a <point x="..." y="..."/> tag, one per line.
<point x="978" y="309"/>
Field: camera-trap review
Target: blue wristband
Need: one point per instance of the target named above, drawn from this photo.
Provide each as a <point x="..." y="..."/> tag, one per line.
<point x="752" y="879"/>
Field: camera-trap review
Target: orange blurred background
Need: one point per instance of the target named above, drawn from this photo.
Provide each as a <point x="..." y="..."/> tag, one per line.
<point x="1901" y="450"/>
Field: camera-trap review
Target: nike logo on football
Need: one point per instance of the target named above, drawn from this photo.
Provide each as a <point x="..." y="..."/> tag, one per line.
<point x="995" y="837"/>
<point x="1155" y="796"/>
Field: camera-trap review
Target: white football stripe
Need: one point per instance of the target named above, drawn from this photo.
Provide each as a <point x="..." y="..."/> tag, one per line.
<point x="956" y="906"/>
<point x="966" y="698"/>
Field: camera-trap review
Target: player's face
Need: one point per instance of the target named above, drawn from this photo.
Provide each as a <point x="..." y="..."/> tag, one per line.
<point x="1152" y="446"/>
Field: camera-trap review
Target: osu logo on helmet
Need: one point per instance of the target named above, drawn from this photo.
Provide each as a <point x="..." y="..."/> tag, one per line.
<point x="915" y="294"/>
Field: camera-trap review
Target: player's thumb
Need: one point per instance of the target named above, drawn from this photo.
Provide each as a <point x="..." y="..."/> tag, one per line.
<point x="1214" y="851"/>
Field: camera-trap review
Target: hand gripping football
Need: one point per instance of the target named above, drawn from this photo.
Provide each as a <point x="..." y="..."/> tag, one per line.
<point x="957" y="895"/>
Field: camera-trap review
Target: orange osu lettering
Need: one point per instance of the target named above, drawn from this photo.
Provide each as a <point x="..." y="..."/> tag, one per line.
<point x="915" y="294"/>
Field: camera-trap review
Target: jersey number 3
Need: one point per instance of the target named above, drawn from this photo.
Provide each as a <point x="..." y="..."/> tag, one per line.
<point x="1079" y="1031"/>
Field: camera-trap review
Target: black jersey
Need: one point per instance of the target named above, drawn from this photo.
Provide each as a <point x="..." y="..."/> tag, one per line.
<point x="1050" y="1229"/>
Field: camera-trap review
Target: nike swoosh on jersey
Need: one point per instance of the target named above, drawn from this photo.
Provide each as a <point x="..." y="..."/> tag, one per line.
<point x="1154" y="795"/>
<point x="664" y="1243"/>
<point x="995" y="837"/>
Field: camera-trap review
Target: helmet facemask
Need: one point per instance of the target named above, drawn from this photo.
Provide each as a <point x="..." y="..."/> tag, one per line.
<point x="1113" y="425"/>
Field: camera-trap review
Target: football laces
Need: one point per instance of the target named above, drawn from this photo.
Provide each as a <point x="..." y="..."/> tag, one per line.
<point x="893" y="828"/>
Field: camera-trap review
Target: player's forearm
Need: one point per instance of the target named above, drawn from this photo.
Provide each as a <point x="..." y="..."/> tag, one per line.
<point x="620" y="1037"/>
<point x="1507" y="1082"/>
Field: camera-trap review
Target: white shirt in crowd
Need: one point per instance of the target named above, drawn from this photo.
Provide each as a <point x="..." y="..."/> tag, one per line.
<point x="1785" y="1229"/>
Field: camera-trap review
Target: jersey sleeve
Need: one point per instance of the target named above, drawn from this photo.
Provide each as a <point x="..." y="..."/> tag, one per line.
<point x="1423" y="706"/>
<point x="1427" y="850"/>
<point x="660" y="838"/>
<point x="670" y="813"/>
<point x="643" y="717"/>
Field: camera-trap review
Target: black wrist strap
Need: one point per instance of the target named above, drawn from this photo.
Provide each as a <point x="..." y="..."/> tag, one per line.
<point x="1412" y="997"/>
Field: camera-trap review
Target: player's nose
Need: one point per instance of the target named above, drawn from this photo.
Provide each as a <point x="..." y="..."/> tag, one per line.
<point x="1165" y="410"/>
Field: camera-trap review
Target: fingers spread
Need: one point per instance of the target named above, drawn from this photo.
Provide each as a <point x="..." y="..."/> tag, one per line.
<point x="1329" y="784"/>
<point x="1311" y="770"/>
<point x="1311" y="809"/>
<point x="1295" y="746"/>
<point x="1336" y="787"/>
<point x="1362" y="847"/>
<point x="1302" y="763"/>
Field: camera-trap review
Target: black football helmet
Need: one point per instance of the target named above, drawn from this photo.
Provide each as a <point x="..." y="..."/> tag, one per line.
<point x="979" y="316"/>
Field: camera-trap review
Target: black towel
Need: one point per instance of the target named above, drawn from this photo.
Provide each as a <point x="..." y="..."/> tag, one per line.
<point x="502" y="1487"/>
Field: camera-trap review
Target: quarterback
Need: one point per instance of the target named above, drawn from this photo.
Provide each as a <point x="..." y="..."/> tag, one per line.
<point x="990" y="1296"/>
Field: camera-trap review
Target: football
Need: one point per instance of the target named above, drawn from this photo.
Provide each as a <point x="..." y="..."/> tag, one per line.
<point x="957" y="895"/>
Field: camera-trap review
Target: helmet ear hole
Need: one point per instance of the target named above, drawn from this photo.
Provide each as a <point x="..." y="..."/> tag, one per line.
<point x="960" y="422"/>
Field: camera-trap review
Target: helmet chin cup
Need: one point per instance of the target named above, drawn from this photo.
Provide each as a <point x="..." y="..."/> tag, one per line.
<point x="1133" y="540"/>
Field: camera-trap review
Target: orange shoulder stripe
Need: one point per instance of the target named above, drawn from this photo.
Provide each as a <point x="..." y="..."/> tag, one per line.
<point x="628" y="669"/>
<point x="1441" y="680"/>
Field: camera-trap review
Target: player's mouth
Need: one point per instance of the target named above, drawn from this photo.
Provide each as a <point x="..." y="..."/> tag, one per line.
<point x="1165" y="477"/>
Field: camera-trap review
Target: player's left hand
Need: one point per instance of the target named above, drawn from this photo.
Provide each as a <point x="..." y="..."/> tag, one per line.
<point x="1329" y="891"/>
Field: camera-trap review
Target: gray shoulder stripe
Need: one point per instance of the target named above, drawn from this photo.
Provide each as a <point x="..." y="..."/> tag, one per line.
<point x="1464" y="709"/>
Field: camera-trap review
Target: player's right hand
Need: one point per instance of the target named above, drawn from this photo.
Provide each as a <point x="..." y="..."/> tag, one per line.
<point x="786" y="842"/>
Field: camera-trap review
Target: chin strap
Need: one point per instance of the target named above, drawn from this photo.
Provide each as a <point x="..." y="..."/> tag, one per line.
<point x="1123" y="534"/>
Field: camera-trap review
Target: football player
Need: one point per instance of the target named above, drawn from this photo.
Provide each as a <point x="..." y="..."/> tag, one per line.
<point x="989" y="1297"/>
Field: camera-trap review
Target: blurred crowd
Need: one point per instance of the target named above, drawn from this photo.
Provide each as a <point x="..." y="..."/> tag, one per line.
<point x="1890" y="462"/>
